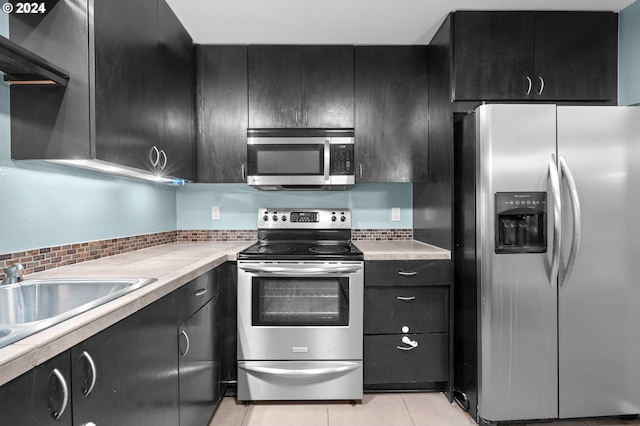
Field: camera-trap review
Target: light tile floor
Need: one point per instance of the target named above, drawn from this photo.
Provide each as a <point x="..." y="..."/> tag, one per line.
<point x="394" y="409"/>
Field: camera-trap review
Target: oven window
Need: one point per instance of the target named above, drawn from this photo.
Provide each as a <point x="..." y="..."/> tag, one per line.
<point x="300" y="301"/>
<point x="286" y="159"/>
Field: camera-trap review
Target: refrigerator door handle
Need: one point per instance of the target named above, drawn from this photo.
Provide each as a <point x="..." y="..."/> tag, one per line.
<point x="577" y="220"/>
<point x="557" y="220"/>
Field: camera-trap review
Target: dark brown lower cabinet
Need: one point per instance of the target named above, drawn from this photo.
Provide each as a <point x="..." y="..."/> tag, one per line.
<point x="407" y="325"/>
<point x="38" y="397"/>
<point x="140" y="371"/>
<point x="390" y="362"/>
<point x="122" y="375"/>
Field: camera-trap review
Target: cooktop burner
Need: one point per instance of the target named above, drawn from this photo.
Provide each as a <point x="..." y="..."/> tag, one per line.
<point x="328" y="249"/>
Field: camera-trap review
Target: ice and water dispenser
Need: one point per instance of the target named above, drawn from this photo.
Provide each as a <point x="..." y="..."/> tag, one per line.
<point x="521" y="222"/>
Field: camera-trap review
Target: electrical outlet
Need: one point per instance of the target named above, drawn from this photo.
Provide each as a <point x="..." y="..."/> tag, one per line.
<point x="215" y="212"/>
<point x="395" y="214"/>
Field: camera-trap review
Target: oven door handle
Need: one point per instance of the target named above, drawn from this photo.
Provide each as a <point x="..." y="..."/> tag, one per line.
<point x="302" y="372"/>
<point x="304" y="270"/>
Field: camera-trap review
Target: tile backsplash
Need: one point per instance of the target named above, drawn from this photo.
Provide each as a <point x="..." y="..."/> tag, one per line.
<point x="41" y="259"/>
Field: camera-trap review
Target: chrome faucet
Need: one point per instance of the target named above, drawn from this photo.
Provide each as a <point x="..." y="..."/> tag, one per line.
<point x="13" y="274"/>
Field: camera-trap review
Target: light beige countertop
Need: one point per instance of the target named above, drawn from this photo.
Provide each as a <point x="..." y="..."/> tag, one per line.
<point x="173" y="265"/>
<point x="401" y="250"/>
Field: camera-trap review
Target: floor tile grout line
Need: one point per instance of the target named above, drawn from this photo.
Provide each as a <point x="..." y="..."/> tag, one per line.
<point x="407" y="408"/>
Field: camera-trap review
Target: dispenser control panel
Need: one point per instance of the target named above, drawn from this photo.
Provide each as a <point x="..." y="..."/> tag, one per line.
<point x="521" y="222"/>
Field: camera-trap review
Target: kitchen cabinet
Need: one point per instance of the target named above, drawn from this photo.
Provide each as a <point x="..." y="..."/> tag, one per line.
<point x="122" y="375"/>
<point x="221" y="105"/>
<point x="546" y="56"/>
<point x="37" y="397"/>
<point x="391" y="113"/>
<point x="407" y="325"/>
<point x="301" y="86"/>
<point x="199" y="368"/>
<point x="129" y="99"/>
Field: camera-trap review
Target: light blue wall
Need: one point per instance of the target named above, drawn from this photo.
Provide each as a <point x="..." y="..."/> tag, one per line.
<point x="42" y="204"/>
<point x="629" y="55"/>
<point x="370" y="204"/>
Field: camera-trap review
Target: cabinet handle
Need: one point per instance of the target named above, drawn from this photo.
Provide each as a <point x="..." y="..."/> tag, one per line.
<point x="361" y="169"/>
<point x="306" y="118"/>
<point x="65" y="393"/>
<point x="186" y="338"/>
<point x="541" y="85"/>
<point x="406" y="298"/>
<point x="201" y="292"/>
<point x="407" y="341"/>
<point x="407" y="274"/>
<point x="297" y="117"/>
<point x="94" y="373"/>
<point x="164" y="163"/>
<point x="243" y="171"/>
<point x="154" y="162"/>
<point x="529" y="85"/>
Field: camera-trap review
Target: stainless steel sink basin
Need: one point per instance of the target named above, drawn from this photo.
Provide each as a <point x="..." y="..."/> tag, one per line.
<point x="32" y="306"/>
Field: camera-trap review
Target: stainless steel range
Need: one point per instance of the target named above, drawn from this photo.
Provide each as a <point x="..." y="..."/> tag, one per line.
<point x="300" y="308"/>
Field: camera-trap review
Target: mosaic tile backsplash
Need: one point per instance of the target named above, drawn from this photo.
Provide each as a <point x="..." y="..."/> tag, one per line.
<point x="41" y="259"/>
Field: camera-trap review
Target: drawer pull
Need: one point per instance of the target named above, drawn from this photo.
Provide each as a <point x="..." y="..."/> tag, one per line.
<point x="201" y="292"/>
<point x="406" y="298"/>
<point x="407" y="341"/>
<point x="407" y="274"/>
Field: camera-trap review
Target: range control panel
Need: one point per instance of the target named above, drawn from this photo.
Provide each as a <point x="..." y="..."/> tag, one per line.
<point x="284" y="218"/>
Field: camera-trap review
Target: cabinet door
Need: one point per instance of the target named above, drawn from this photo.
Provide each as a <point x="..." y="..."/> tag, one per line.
<point x="177" y="64"/>
<point x="127" y="374"/>
<point x="421" y="309"/>
<point x="493" y="55"/>
<point x="327" y="86"/>
<point x="127" y="82"/>
<point x="38" y="396"/>
<point x="104" y="368"/>
<point x="391" y="113"/>
<point x="199" y="367"/>
<point x="274" y="86"/>
<point x="388" y="360"/>
<point x="576" y="56"/>
<point x="221" y="78"/>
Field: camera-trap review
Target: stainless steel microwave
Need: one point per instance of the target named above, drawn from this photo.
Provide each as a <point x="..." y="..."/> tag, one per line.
<point x="309" y="160"/>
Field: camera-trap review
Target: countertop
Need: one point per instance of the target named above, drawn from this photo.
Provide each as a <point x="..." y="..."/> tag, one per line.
<point x="173" y="265"/>
<point x="401" y="250"/>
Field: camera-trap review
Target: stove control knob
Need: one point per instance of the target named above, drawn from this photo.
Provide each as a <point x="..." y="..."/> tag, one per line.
<point x="265" y="218"/>
<point x="275" y="218"/>
<point x="343" y="218"/>
<point x="333" y="218"/>
<point x="284" y="218"/>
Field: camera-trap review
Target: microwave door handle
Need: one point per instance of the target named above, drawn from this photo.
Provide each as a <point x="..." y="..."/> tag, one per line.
<point x="327" y="158"/>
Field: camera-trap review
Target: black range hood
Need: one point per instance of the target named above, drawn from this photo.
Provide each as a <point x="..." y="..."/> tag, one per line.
<point x="21" y="66"/>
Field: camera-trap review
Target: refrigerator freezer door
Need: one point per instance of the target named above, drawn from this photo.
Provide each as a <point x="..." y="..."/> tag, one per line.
<point x="599" y="319"/>
<point x="518" y="374"/>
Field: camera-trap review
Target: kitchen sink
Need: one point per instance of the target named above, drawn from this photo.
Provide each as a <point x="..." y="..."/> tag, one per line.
<point x="31" y="306"/>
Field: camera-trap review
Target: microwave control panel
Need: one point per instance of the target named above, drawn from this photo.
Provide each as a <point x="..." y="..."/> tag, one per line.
<point x="341" y="159"/>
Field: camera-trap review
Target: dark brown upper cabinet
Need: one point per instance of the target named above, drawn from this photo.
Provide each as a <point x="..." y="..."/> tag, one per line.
<point x="130" y="96"/>
<point x="301" y="86"/>
<point x="547" y="56"/>
<point x="221" y="108"/>
<point x="391" y="113"/>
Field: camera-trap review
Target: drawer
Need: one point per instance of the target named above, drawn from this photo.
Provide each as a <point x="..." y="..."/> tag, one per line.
<point x="195" y="294"/>
<point x="422" y="309"/>
<point x="407" y="272"/>
<point x="385" y="363"/>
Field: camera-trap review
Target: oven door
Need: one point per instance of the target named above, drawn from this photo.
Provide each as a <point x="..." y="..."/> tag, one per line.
<point x="300" y="310"/>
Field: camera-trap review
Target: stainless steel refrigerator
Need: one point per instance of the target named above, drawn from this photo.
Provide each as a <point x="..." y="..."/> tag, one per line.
<point x="547" y="262"/>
